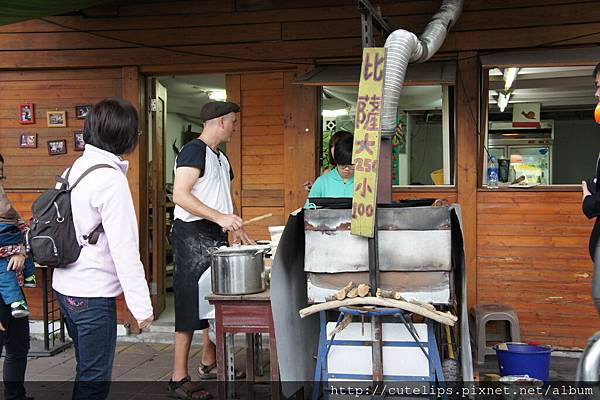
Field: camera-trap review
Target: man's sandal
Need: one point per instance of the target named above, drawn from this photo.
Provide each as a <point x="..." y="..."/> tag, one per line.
<point x="207" y="372"/>
<point x="185" y="389"/>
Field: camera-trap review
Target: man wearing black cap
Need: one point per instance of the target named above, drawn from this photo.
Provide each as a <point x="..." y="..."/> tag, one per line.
<point x="204" y="211"/>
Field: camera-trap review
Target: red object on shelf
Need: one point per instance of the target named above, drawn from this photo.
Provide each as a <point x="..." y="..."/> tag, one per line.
<point x="534" y="343"/>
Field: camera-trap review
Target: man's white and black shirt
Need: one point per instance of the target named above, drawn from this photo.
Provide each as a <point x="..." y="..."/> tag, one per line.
<point x="213" y="187"/>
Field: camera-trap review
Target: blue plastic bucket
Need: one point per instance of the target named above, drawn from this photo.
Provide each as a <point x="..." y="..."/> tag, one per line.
<point x="524" y="359"/>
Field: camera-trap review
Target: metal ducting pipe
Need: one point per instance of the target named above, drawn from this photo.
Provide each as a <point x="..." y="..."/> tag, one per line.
<point x="587" y="369"/>
<point x="405" y="47"/>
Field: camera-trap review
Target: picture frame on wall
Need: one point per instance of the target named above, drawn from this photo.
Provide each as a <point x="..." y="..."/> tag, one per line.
<point x="56" y="147"/>
<point x="26" y="114"/>
<point x="82" y="111"/>
<point x="78" y="143"/>
<point x="56" y="119"/>
<point x="28" y="140"/>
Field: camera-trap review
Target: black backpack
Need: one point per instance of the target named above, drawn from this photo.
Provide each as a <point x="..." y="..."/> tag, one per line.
<point x="51" y="237"/>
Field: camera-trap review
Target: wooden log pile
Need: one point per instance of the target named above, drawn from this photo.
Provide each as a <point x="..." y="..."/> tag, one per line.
<point x="358" y="295"/>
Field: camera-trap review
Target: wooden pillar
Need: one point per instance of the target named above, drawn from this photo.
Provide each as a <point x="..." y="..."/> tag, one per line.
<point x="467" y="118"/>
<point x="137" y="174"/>
<point x="300" y="133"/>
<point x="234" y="147"/>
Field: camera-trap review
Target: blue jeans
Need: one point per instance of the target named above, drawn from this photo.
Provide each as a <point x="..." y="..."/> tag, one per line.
<point x="92" y="324"/>
<point x="9" y="286"/>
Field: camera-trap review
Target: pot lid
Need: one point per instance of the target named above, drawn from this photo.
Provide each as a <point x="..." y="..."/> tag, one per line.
<point x="242" y="249"/>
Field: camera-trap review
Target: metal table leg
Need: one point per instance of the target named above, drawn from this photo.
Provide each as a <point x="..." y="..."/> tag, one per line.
<point x="230" y="354"/>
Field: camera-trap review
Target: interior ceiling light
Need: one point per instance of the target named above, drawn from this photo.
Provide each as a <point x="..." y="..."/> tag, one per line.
<point x="217" y="95"/>
<point x="503" y="98"/>
<point x="335" y="113"/>
<point x="510" y="74"/>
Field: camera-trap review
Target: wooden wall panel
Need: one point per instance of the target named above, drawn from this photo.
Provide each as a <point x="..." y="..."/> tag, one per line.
<point x="260" y="152"/>
<point x="532" y="254"/>
<point x="33" y="168"/>
<point x="467" y="143"/>
<point x="300" y="139"/>
<point x="248" y="30"/>
<point x="277" y="31"/>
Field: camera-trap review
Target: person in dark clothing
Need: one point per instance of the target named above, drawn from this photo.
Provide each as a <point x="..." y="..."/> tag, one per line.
<point x="591" y="190"/>
<point x="590" y="204"/>
<point x="591" y="209"/>
<point x="14" y="338"/>
<point x="14" y="332"/>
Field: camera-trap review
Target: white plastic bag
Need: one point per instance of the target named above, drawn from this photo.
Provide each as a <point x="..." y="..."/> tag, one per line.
<point x="205" y="309"/>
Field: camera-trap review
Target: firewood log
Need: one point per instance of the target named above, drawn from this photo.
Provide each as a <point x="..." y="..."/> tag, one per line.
<point x="389" y="294"/>
<point x="352" y="293"/>
<point x="342" y="325"/>
<point x="428" y="306"/>
<point x="331" y="297"/>
<point x="343" y="292"/>
<point x="363" y="289"/>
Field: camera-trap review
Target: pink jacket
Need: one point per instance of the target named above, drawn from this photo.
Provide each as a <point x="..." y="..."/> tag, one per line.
<point x="112" y="266"/>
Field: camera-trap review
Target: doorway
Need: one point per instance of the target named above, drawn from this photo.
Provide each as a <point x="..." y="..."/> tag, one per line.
<point x="172" y="122"/>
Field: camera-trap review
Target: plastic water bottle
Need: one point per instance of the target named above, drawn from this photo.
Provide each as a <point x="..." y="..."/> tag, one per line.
<point x="493" y="173"/>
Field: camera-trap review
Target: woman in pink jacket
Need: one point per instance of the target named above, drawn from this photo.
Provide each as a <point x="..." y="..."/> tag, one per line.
<point x="87" y="288"/>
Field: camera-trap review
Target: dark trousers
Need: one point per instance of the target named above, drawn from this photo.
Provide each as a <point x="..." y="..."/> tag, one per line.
<point x="92" y="325"/>
<point x="191" y="243"/>
<point x="15" y="339"/>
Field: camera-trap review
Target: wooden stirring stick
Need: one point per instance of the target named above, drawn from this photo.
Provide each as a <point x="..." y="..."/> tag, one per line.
<point x="259" y="218"/>
<point x="255" y="219"/>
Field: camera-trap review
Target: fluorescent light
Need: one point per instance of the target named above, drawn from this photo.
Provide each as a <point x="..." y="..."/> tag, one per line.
<point x="217" y="95"/>
<point x="334" y="113"/>
<point x="510" y="74"/>
<point x="503" y="98"/>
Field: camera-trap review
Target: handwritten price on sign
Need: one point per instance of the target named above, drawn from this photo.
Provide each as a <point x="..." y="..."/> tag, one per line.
<point x="364" y="164"/>
<point x="362" y="210"/>
<point x="365" y="152"/>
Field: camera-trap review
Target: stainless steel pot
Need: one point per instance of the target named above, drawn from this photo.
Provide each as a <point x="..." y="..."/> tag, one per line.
<point x="238" y="270"/>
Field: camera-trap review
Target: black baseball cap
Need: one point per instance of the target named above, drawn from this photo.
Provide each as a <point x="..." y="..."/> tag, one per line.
<point x="216" y="109"/>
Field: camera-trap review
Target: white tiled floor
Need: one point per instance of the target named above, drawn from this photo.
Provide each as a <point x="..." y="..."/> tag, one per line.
<point x="167" y="317"/>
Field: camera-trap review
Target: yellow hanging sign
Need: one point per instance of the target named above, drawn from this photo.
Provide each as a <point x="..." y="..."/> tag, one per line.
<point x="367" y="138"/>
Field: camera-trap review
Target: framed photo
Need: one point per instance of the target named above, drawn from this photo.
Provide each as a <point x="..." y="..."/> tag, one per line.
<point x="28" y="140"/>
<point x="56" y="147"/>
<point x="56" y="119"/>
<point x="26" y="114"/>
<point x="79" y="144"/>
<point x="82" y="111"/>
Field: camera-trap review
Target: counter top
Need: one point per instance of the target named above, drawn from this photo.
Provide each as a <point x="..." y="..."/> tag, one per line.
<point x="262" y="296"/>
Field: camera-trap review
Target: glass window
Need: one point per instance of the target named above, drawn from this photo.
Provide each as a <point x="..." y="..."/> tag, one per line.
<point x="422" y="145"/>
<point x="541" y="127"/>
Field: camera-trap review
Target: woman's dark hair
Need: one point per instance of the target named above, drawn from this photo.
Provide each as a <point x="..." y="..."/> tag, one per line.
<point x="335" y="138"/>
<point x="596" y="71"/>
<point x="112" y="125"/>
<point x="342" y="154"/>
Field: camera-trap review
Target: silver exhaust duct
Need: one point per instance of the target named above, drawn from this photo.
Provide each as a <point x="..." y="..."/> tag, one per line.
<point x="405" y="47"/>
<point x="587" y="370"/>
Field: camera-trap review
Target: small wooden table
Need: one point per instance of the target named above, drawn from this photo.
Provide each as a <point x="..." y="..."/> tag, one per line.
<point x="247" y="314"/>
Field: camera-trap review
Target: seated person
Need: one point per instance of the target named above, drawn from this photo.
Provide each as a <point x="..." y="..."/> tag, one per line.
<point x="336" y="137"/>
<point x="339" y="182"/>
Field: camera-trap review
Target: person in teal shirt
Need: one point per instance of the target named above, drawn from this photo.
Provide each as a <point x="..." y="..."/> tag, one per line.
<point x="339" y="182"/>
